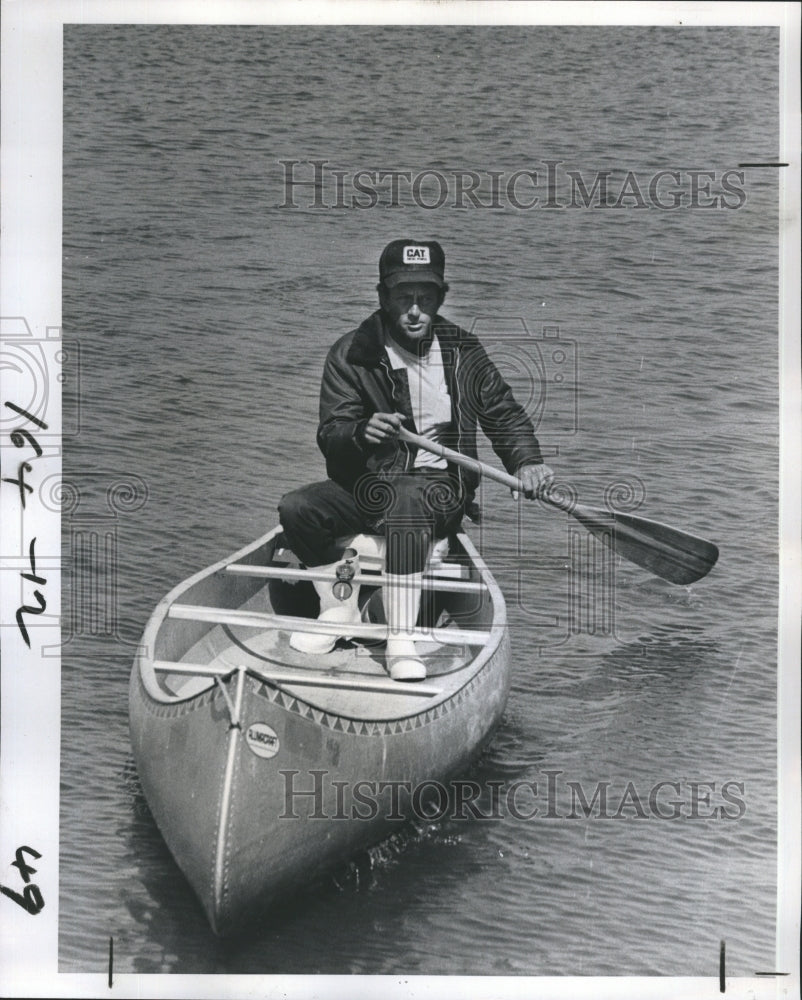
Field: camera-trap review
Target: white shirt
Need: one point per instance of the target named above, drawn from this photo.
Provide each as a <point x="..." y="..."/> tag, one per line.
<point x="428" y="393"/>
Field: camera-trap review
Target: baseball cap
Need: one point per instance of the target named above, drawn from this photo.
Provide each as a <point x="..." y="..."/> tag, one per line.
<point x="412" y="260"/>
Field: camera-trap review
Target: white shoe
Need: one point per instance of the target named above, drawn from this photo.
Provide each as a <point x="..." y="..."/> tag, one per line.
<point x="401" y="606"/>
<point x="344" y="611"/>
<point x="439" y="551"/>
<point x="402" y="661"/>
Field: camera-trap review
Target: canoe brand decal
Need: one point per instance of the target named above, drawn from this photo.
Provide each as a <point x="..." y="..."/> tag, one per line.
<point x="262" y="739"/>
<point x="416" y="255"/>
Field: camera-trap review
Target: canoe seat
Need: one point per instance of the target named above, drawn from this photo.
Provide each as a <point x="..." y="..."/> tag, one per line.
<point x="373" y="548"/>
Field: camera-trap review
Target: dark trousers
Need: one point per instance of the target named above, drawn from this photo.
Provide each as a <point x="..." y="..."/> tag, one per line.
<point x="411" y="509"/>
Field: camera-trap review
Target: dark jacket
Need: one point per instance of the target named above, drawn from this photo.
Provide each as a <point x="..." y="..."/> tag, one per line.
<point x="359" y="381"/>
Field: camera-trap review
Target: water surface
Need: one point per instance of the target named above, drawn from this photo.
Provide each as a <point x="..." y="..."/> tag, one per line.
<point x="203" y="311"/>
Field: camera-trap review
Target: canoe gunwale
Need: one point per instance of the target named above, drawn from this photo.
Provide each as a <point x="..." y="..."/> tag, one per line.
<point x="146" y="662"/>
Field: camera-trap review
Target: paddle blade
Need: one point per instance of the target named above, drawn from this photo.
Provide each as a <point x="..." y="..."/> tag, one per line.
<point x="667" y="552"/>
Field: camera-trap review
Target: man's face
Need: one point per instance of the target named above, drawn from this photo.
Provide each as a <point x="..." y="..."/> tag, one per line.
<point x="411" y="308"/>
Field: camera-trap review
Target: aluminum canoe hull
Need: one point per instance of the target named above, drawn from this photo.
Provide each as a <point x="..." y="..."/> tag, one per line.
<point x="257" y="787"/>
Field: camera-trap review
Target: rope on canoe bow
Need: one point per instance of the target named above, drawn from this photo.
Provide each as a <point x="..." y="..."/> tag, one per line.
<point x="232" y="711"/>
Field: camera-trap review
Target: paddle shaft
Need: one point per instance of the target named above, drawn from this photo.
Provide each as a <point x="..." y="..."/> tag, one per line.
<point x="469" y="463"/>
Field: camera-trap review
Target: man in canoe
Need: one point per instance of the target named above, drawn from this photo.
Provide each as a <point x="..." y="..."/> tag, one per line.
<point x="406" y="366"/>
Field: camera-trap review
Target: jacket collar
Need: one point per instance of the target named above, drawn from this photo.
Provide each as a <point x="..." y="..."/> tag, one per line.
<point x="367" y="347"/>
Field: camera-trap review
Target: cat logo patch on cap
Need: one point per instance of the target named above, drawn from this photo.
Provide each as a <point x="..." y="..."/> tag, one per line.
<point x="416" y="255"/>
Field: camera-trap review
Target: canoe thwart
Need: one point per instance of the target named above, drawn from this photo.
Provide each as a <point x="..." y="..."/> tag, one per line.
<point x="431" y="581"/>
<point x="358" y="630"/>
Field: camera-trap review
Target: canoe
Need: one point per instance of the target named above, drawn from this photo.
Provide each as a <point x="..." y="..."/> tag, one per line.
<point x="265" y="767"/>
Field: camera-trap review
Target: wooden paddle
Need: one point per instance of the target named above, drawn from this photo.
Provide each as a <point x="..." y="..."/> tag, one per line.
<point x="667" y="552"/>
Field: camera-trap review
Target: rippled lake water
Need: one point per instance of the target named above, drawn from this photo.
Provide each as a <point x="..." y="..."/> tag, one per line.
<point x="200" y="310"/>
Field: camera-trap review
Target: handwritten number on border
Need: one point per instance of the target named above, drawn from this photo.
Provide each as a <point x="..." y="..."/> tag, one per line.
<point x="20" y="438"/>
<point x="30" y="609"/>
<point x="30" y="898"/>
